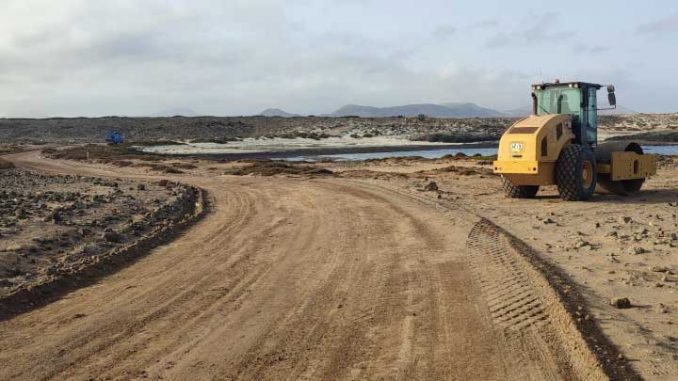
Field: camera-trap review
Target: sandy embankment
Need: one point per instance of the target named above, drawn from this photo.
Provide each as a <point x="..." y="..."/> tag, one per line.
<point x="60" y="232"/>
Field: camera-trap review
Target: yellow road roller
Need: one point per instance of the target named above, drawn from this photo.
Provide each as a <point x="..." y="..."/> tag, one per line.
<point x="558" y="145"/>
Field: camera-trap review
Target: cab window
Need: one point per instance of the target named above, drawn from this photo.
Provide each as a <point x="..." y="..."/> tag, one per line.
<point x="563" y="100"/>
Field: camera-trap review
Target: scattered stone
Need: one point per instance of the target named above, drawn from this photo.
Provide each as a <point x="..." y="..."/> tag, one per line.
<point x="621" y="303"/>
<point x="56" y="217"/>
<point x="626" y="219"/>
<point x="659" y="269"/>
<point x="141" y="187"/>
<point x="90" y="249"/>
<point x="431" y="187"/>
<point x="636" y="250"/>
<point x="581" y="243"/>
<point x="112" y="236"/>
<point x="642" y="231"/>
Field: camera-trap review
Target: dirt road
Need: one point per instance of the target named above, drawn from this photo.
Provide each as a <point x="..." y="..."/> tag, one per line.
<point x="289" y="279"/>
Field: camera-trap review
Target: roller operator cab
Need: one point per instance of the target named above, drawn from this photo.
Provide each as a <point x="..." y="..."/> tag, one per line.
<point x="558" y="145"/>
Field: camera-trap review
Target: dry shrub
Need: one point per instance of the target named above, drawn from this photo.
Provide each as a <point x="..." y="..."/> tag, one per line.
<point x="184" y="165"/>
<point x="270" y="168"/>
<point x="163" y="168"/>
<point x="462" y="171"/>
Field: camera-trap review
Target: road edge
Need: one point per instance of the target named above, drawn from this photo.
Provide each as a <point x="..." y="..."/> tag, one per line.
<point x="577" y="331"/>
<point x="115" y="260"/>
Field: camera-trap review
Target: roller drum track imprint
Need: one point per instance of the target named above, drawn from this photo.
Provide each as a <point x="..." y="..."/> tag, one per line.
<point x="510" y="296"/>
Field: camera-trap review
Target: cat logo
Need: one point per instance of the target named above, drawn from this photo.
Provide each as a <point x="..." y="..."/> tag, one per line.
<point x="516" y="148"/>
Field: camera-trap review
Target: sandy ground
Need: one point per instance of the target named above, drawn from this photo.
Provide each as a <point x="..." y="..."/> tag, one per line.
<point x="363" y="276"/>
<point x="612" y="246"/>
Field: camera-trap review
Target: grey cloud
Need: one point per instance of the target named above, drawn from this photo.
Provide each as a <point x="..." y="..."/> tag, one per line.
<point x="498" y="40"/>
<point x="590" y="49"/>
<point x="667" y="24"/>
<point x="540" y="29"/>
<point x="488" y="23"/>
<point x="444" y="31"/>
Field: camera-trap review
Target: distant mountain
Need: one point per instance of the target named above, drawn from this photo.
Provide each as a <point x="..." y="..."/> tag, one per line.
<point x="470" y="110"/>
<point x="177" y="111"/>
<point x="520" y="111"/>
<point x="276" y="112"/>
<point x="527" y="110"/>
<point x="446" y="110"/>
<point x="356" y="110"/>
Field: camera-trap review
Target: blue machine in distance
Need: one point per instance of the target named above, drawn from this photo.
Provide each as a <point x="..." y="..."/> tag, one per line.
<point x="114" y="137"/>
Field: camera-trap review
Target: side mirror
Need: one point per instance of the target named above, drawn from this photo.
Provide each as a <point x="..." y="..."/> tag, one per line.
<point x="611" y="98"/>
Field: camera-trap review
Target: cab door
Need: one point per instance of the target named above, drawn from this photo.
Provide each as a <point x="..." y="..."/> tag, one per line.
<point x="591" y="117"/>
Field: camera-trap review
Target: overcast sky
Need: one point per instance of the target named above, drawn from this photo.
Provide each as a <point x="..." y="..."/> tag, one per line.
<point x="237" y="57"/>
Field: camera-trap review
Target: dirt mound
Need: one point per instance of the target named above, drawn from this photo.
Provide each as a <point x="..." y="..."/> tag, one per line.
<point x="459" y="170"/>
<point x="270" y="168"/>
<point x="665" y="162"/>
<point x="118" y="155"/>
<point x="100" y="152"/>
<point x="369" y="174"/>
<point x="4" y="164"/>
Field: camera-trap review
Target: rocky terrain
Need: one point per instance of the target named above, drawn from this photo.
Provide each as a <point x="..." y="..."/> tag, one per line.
<point x="655" y="128"/>
<point x="54" y="227"/>
<point x="224" y="129"/>
<point x="640" y="122"/>
<point x="198" y="129"/>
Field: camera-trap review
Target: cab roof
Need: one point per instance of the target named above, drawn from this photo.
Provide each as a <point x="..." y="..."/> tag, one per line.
<point x="546" y="85"/>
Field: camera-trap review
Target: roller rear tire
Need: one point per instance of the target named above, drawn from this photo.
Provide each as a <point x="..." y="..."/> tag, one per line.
<point x="575" y="173"/>
<point x="518" y="191"/>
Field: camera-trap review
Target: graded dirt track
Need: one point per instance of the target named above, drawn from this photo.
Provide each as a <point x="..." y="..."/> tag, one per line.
<point x="293" y="278"/>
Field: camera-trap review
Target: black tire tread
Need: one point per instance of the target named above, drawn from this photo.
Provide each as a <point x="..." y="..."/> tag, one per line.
<point x="518" y="191"/>
<point x="568" y="173"/>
